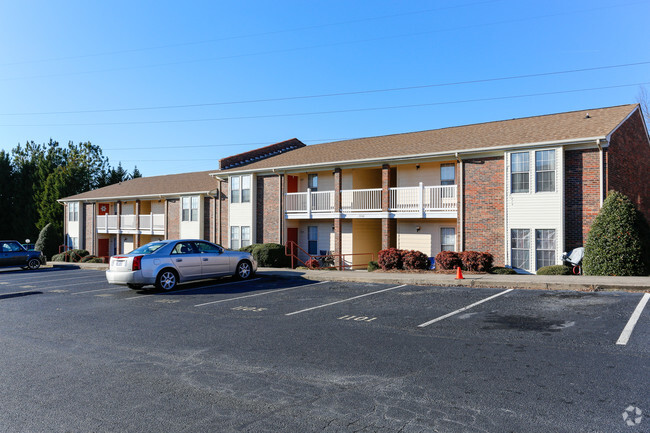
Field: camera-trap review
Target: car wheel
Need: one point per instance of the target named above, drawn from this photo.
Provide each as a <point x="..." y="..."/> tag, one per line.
<point x="244" y="270"/>
<point x="134" y="286"/>
<point x="33" y="264"/>
<point x="166" y="280"/>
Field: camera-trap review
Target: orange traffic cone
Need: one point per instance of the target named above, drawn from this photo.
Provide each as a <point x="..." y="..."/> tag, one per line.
<point x="459" y="273"/>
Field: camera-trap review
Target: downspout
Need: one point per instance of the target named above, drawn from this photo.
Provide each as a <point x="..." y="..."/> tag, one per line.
<point x="280" y="211"/>
<point x="600" y="169"/>
<point x="461" y="222"/>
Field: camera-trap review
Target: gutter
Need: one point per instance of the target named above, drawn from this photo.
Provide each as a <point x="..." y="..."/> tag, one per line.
<point x="600" y="171"/>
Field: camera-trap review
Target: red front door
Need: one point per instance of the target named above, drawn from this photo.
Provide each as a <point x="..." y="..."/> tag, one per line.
<point x="292" y="236"/>
<point x="292" y="183"/>
<point x="102" y="247"/>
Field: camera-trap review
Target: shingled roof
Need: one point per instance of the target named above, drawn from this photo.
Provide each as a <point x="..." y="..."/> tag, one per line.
<point x="569" y="126"/>
<point x="171" y="184"/>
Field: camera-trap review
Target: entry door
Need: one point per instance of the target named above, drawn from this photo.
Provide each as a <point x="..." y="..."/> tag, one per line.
<point x="292" y="183"/>
<point x="102" y="247"/>
<point x="292" y="236"/>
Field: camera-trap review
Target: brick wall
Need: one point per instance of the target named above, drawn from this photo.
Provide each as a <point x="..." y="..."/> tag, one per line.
<point x="223" y="236"/>
<point x="483" y="206"/>
<point x="268" y="209"/>
<point x="629" y="163"/>
<point x="581" y="194"/>
<point x="89" y="229"/>
<point x="173" y="218"/>
<point x="208" y="218"/>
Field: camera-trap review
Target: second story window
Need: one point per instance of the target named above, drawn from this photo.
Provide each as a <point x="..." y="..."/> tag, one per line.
<point x="519" y="177"/>
<point x="190" y="206"/>
<point x="545" y="171"/>
<point x="240" y="189"/>
<point x="447" y="174"/>
<point x="312" y="182"/>
<point x="73" y="211"/>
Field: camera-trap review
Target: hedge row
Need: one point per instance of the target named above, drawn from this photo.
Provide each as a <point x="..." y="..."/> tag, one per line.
<point x="392" y="258"/>
<point x="268" y="255"/>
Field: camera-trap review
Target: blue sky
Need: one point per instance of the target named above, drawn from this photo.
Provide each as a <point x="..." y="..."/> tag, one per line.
<point x="173" y="87"/>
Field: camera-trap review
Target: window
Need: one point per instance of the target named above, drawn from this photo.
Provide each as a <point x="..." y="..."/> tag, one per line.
<point x="545" y="247"/>
<point x="312" y="240"/>
<point x="312" y="182"/>
<point x="73" y="211"/>
<point x="520" y="248"/>
<point x="190" y="208"/>
<point x="448" y="239"/>
<point x="447" y="174"/>
<point x="245" y="236"/>
<point x="184" y="248"/>
<point x="235" y="189"/>
<point x="240" y="189"/>
<point x="545" y="171"/>
<point x="235" y="243"/>
<point x="205" y="247"/>
<point x="245" y="189"/>
<point x="519" y="177"/>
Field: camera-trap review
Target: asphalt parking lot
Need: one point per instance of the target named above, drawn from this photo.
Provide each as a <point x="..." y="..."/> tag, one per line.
<point x="295" y="355"/>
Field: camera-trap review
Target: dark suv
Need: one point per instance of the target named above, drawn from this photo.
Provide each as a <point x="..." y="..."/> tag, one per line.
<point x="12" y="254"/>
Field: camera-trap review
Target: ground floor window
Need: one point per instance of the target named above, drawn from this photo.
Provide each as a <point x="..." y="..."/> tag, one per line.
<point x="245" y="236"/>
<point x="520" y="248"/>
<point x="312" y="240"/>
<point x="240" y="236"/>
<point x="448" y="239"/>
<point x="235" y="242"/>
<point x="545" y="247"/>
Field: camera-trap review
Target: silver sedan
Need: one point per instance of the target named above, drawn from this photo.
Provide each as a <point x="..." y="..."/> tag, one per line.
<point x="164" y="264"/>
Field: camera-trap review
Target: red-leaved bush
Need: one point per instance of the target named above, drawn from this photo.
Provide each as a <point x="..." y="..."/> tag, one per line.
<point x="390" y="258"/>
<point x="312" y="263"/>
<point x="415" y="260"/>
<point x="475" y="261"/>
<point x="448" y="260"/>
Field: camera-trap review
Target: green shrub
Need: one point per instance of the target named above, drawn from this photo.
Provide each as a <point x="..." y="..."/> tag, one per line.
<point x="503" y="271"/>
<point x="48" y="241"/>
<point x="372" y="266"/>
<point x="58" y="257"/>
<point x="555" y="270"/>
<point x="249" y="248"/>
<point x="95" y="260"/>
<point x="268" y="255"/>
<point x="617" y="243"/>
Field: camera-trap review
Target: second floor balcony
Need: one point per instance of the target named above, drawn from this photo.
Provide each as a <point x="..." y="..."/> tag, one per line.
<point x="146" y="223"/>
<point x="418" y="201"/>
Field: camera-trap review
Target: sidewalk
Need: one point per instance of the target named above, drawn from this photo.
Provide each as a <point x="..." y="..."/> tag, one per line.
<point x="547" y="282"/>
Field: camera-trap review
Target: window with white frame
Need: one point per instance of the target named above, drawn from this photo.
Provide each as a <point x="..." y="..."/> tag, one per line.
<point x="235" y="241"/>
<point x="545" y="170"/>
<point x="245" y="236"/>
<point x="447" y="174"/>
<point x="312" y="240"/>
<point x="520" y="248"/>
<point x="312" y="181"/>
<point x="245" y="189"/>
<point x="448" y="239"/>
<point x="73" y="242"/>
<point x="240" y="189"/>
<point x="519" y="177"/>
<point x="544" y="247"/>
<point x="190" y="208"/>
<point x="73" y="211"/>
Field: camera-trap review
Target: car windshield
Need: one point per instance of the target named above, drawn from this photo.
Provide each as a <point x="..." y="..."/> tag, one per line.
<point x="149" y="248"/>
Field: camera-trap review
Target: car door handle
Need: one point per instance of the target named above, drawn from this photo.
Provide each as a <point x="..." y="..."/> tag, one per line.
<point x="205" y="259"/>
<point x="179" y="260"/>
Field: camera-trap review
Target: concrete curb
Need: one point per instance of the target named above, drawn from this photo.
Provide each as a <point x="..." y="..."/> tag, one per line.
<point x="568" y="282"/>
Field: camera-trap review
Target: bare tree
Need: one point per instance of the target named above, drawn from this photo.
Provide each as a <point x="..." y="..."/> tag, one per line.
<point x="643" y="98"/>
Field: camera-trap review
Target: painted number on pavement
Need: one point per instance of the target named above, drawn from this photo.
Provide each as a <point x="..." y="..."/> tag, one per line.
<point x="242" y="308"/>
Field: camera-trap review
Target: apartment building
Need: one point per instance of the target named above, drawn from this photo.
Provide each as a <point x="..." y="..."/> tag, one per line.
<point x="524" y="189"/>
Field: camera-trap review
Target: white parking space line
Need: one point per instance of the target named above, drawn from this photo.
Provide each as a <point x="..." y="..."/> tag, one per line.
<point x="97" y="290"/>
<point x="627" y="331"/>
<point x="344" y="300"/>
<point x="260" y="294"/>
<point x="194" y="288"/>
<point x="460" y="310"/>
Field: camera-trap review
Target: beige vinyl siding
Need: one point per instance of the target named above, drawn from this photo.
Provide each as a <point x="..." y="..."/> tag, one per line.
<point x="239" y="214"/>
<point x="346" y="241"/>
<point x="427" y="240"/>
<point x="367" y="239"/>
<point x="192" y="229"/>
<point x="428" y="174"/>
<point x="536" y="210"/>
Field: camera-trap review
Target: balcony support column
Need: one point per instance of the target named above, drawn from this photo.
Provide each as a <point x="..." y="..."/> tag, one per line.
<point x="118" y="244"/>
<point x="337" y="221"/>
<point x="385" y="187"/>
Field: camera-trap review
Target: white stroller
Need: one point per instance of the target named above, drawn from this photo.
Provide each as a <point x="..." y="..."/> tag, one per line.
<point x="574" y="258"/>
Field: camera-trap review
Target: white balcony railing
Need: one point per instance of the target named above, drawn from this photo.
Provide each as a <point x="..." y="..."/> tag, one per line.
<point x="404" y="199"/>
<point x="361" y="200"/>
<point x="427" y="198"/>
<point x="150" y="222"/>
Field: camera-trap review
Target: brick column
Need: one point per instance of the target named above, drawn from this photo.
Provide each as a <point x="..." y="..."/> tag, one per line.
<point x="388" y="225"/>
<point x="385" y="187"/>
<point x="118" y="236"/>
<point x="337" y="220"/>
